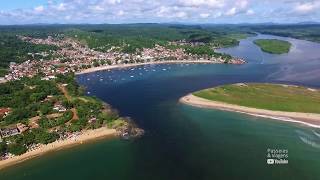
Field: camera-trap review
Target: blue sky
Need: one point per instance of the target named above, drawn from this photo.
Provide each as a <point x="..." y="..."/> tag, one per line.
<point x="17" y="4"/>
<point x="142" y="11"/>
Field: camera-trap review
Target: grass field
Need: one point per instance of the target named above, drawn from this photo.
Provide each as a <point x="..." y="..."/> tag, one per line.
<point x="266" y="96"/>
<point x="273" y="46"/>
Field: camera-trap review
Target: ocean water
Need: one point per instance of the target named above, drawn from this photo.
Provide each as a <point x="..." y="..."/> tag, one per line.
<point x="183" y="142"/>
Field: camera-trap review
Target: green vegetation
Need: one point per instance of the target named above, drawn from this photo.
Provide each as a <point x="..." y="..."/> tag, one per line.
<point x="3" y="148"/>
<point x="44" y="122"/>
<point x="273" y="46"/>
<point x="266" y="96"/>
<point x="239" y="36"/>
<point x="12" y="49"/>
<point x="310" y="32"/>
<point x="32" y="100"/>
<point x="132" y="37"/>
<point x="205" y="50"/>
<point x="19" y="143"/>
<point x="25" y="96"/>
<point x="3" y="72"/>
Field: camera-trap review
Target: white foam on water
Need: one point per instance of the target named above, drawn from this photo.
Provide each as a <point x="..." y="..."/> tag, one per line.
<point x="285" y="119"/>
<point x="309" y="142"/>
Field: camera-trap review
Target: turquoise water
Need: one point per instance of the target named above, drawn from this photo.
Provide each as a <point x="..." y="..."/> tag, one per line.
<point x="183" y="142"/>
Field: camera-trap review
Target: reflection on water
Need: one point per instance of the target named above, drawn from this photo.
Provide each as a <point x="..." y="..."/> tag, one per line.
<point x="300" y="65"/>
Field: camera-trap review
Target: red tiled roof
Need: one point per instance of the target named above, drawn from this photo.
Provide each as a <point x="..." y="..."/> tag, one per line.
<point x="4" y="110"/>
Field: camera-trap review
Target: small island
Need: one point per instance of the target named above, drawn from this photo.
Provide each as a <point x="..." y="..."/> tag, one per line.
<point x="273" y="46"/>
<point x="277" y="101"/>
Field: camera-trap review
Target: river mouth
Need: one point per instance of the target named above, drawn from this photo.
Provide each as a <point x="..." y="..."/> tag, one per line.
<point x="183" y="142"/>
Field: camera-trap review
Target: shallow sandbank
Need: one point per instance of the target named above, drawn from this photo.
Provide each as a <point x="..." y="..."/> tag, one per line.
<point x="309" y="119"/>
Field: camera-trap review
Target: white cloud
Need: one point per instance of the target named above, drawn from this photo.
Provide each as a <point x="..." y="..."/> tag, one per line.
<point x="204" y="15"/>
<point x="180" y="14"/>
<point x="67" y="17"/>
<point x="307" y="7"/>
<point x="242" y="4"/>
<point x="61" y="7"/>
<point x="171" y="12"/>
<point x="96" y="8"/>
<point x="231" y="11"/>
<point x="112" y="1"/>
<point x="240" y="7"/>
<point x="39" y="9"/>
<point x="250" y="12"/>
<point x="197" y="3"/>
<point x="218" y="14"/>
<point x="120" y="13"/>
<point x="109" y="11"/>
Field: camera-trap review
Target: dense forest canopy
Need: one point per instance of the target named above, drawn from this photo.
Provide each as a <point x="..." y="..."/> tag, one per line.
<point x="34" y="98"/>
<point x="305" y="32"/>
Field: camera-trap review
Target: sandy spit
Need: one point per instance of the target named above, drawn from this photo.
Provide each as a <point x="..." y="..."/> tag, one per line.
<point x="308" y="119"/>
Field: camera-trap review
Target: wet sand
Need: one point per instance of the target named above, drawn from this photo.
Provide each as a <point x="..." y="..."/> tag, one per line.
<point x="109" y="67"/>
<point x="308" y="119"/>
<point x="60" y="144"/>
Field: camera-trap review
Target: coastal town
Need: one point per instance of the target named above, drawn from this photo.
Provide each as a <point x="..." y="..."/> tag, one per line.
<point x="73" y="56"/>
<point x="160" y="90"/>
<point x="55" y="113"/>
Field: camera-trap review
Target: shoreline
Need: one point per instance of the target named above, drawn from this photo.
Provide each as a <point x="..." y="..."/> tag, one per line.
<point x="120" y="66"/>
<point x="308" y="119"/>
<point x="85" y="136"/>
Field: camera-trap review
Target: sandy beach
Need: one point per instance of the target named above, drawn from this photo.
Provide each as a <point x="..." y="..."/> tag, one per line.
<point x="308" y="119"/>
<point x="109" y="67"/>
<point x="60" y="144"/>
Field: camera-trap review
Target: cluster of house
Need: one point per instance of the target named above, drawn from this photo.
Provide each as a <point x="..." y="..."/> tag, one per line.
<point x="13" y="130"/>
<point x="186" y="43"/>
<point x="59" y="107"/>
<point x="194" y="43"/>
<point x="162" y="53"/>
<point x="73" y="56"/>
<point x="31" y="68"/>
